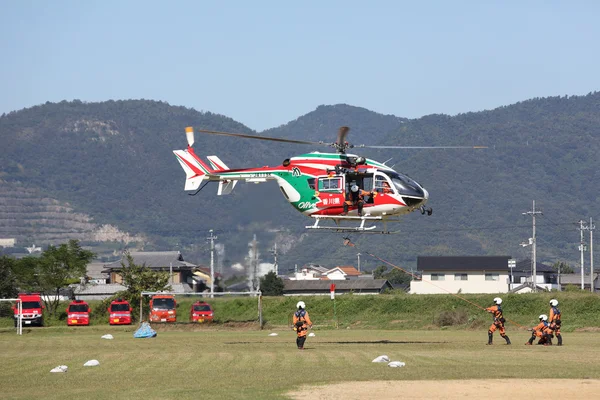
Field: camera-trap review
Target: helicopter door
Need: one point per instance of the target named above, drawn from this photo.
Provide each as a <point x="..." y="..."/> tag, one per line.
<point x="331" y="190"/>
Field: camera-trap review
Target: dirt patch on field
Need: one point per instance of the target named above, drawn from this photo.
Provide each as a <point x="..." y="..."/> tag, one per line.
<point x="472" y="389"/>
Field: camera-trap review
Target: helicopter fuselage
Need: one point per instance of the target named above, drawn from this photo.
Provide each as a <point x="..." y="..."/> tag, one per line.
<point x="317" y="184"/>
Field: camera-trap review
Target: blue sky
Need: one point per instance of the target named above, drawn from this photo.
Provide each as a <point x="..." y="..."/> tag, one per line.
<point x="265" y="63"/>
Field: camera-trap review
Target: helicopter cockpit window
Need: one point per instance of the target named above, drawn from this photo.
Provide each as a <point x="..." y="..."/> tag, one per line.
<point x="382" y="185"/>
<point x="311" y="183"/>
<point x="405" y="185"/>
<point x="330" y="184"/>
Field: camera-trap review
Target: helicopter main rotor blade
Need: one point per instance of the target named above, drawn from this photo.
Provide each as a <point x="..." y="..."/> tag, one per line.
<point x="246" y="136"/>
<point x="422" y="147"/>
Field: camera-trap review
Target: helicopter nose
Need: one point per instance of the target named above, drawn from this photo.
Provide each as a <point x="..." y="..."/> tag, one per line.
<point x="425" y="194"/>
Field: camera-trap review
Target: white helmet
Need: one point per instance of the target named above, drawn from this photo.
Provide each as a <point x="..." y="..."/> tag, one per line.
<point x="498" y="300"/>
<point x="543" y="317"/>
<point x="301" y="305"/>
<point x="354" y="188"/>
<point x="553" y="302"/>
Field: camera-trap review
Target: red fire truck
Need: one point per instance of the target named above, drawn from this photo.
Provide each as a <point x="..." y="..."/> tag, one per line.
<point x="163" y="308"/>
<point x="119" y="312"/>
<point x="31" y="309"/>
<point x="78" y="313"/>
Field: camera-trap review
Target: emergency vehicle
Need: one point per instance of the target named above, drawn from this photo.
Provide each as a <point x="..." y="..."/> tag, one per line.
<point x="78" y="313"/>
<point x="163" y="308"/>
<point x="31" y="309"/>
<point x="201" y="312"/>
<point x="119" y="312"/>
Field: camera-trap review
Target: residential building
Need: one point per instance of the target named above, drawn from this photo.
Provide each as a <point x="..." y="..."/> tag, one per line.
<point x="310" y="272"/>
<point x="168" y="261"/>
<point x="95" y="273"/>
<point x="575" y="280"/>
<point x="464" y="274"/>
<point x="97" y="292"/>
<point x="8" y="242"/>
<point x="342" y="273"/>
<point x="322" y="287"/>
<point x="521" y="274"/>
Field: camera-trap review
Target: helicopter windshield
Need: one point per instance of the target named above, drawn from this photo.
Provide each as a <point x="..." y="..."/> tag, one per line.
<point x="405" y="185"/>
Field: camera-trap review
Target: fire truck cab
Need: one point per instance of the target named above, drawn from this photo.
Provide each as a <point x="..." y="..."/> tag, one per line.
<point x="78" y="313"/>
<point x="119" y="312"/>
<point x="31" y="309"/>
<point x="163" y="308"/>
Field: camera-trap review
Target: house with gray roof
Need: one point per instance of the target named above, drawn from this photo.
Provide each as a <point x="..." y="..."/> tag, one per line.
<point x="168" y="261"/>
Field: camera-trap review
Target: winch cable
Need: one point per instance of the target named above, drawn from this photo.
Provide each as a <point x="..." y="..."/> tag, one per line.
<point x="348" y="242"/>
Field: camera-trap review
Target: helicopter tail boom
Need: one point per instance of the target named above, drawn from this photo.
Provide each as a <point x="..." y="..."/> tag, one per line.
<point x="195" y="172"/>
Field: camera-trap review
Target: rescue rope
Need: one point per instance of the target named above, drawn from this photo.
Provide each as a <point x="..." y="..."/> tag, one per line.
<point x="348" y="242"/>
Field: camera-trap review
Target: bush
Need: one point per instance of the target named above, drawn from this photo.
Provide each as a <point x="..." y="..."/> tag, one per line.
<point x="451" y="318"/>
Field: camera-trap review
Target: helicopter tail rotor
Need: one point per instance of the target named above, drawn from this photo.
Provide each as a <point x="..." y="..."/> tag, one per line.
<point x="189" y="134"/>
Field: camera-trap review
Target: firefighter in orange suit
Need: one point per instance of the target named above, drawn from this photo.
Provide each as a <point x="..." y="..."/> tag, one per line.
<point x="301" y="324"/>
<point x="355" y="197"/>
<point x="554" y="320"/>
<point x="542" y="331"/>
<point x="498" y="323"/>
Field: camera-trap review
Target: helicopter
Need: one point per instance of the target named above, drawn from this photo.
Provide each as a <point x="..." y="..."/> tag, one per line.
<point x="337" y="187"/>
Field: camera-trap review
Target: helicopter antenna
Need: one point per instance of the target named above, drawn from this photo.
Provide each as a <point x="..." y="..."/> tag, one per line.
<point x="388" y="160"/>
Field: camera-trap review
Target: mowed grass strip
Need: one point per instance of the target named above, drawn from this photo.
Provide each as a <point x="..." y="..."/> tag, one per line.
<point x="250" y="364"/>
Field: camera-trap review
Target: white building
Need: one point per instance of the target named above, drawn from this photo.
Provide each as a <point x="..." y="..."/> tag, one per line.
<point x="309" y="273"/>
<point x="342" y="273"/>
<point x="464" y="274"/>
<point x="8" y="242"/>
<point x="522" y="277"/>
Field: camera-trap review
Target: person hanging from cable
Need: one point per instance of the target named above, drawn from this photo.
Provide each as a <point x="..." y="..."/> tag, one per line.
<point x="554" y="320"/>
<point x="301" y="323"/>
<point x="496" y="311"/>
<point x="542" y="331"/>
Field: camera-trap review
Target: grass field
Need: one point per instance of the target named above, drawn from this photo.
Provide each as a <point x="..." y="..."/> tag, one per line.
<point x="217" y="363"/>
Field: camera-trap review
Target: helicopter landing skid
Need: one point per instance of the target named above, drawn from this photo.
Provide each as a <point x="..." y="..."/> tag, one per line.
<point x="360" y="228"/>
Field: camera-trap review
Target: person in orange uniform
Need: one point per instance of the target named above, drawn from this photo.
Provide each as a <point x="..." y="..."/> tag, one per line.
<point x="554" y="320"/>
<point x="355" y="197"/>
<point x="301" y="324"/>
<point x="542" y="331"/>
<point x="498" y="323"/>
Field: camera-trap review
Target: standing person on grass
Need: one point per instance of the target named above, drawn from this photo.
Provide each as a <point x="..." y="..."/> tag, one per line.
<point x="301" y="324"/>
<point x="498" y="323"/>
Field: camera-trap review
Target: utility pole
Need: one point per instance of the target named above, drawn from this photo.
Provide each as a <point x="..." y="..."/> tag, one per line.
<point x="581" y="250"/>
<point x="358" y="255"/>
<point x="591" y="227"/>
<point x="212" y="263"/>
<point x="533" y="213"/>
<point x="274" y="252"/>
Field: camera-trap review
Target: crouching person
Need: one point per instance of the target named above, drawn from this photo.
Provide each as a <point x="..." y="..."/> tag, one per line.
<point x="541" y="331"/>
<point x="301" y="324"/>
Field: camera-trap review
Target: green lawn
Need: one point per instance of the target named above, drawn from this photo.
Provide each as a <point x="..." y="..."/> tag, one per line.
<point x="213" y="363"/>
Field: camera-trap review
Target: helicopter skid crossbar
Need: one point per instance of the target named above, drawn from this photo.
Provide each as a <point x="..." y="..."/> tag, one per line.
<point x="337" y="219"/>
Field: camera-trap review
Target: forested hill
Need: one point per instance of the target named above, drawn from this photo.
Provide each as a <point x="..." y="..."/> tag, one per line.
<point x="113" y="162"/>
